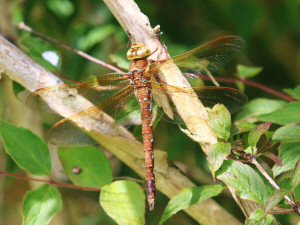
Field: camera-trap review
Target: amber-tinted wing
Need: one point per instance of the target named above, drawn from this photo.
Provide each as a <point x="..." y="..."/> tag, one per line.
<point x="111" y="94"/>
<point x="207" y="57"/>
<point x="123" y="106"/>
<point x="96" y="89"/>
<point x="233" y="99"/>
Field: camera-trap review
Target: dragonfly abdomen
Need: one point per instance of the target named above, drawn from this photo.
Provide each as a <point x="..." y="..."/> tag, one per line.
<point x="144" y="96"/>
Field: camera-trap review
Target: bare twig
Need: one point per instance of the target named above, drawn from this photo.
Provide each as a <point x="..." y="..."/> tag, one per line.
<point x="23" y="26"/>
<point x="51" y="181"/>
<point x="253" y="84"/>
<point x="271" y="181"/>
<point x="170" y="181"/>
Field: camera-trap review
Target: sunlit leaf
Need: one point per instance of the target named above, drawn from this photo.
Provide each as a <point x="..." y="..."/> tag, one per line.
<point x="124" y="201"/>
<point x="247" y="72"/>
<point x="188" y="197"/>
<point x="259" y="106"/>
<point x="288" y="133"/>
<point x="95" y="169"/>
<point x="245" y="180"/>
<point x="27" y="150"/>
<point x="217" y="154"/>
<point x="242" y="126"/>
<point x="274" y="198"/>
<point x="255" y="133"/>
<point x="258" y="217"/>
<point x="295" y="93"/>
<point x="41" y="205"/>
<point x="288" y="114"/>
<point x="220" y="121"/>
<point x="296" y="175"/>
<point x="289" y="154"/>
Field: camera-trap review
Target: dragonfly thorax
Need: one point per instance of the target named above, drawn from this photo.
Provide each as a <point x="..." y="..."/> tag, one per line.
<point x="138" y="51"/>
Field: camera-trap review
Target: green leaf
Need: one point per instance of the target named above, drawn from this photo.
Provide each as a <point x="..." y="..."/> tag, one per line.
<point x="40" y="205"/>
<point x="42" y="53"/>
<point x="61" y="8"/>
<point x="296" y="175"/>
<point x="248" y="72"/>
<point x="289" y="154"/>
<point x="274" y="198"/>
<point x="17" y="88"/>
<point x="95" y="36"/>
<point x="258" y="107"/>
<point x="27" y="150"/>
<point x="295" y="93"/>
<point x="217" y="154"/>
<point x="255" y="134"/>
<point x="220" y="121"/>
<point x="245" y="180"/>
<point x="242" y="126"/>
<point x="119" y="61"/>
<point x="288" y="114"/>
<point x="124" y="201"/>
<point x="288" y="133"/>
<point x="286" y="184"/>
<point x="257" y="217"/>
<point x="188" y="197"/>
<point x="95" y="169"/>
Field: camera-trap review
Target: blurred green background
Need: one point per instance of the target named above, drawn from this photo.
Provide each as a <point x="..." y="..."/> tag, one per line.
<point x="271" y="30"/>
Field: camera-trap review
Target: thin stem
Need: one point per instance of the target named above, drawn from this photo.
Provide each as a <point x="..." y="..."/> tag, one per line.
<point x="23" y="26"/>
<point x="271" y="181"/>
<point x="251" y="83"/>
<point x="52" y="182"/>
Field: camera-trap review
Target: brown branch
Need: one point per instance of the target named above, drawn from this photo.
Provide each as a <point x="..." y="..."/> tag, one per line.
<point x="170" y="181"/>
<point x="23" y="26"/>
<point x="253" y="84"/>
<point x="51" y="182"/>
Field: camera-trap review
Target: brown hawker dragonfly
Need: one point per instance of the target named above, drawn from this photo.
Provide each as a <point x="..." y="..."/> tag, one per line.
<point x="129" y="97"/>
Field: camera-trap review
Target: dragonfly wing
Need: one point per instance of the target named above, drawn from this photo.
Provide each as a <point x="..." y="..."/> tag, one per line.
<point x="206" y="58"/>
<point x="75" y="130"/>
<point x="233" y="99"/>
<point x="96" y="89"/>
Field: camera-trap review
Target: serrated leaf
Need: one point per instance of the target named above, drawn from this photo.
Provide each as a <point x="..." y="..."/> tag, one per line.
<point x="257" y="217"/>
<point x="124" y="201"/>
<point x="247" y="71"/>
<point x="95" y="169"/>
<point x="188" y="197"/>
<point x="259" y="106"/>
<point x="27" y="150"/>
<point x="242" y="126"/>
<point x="274" y="198"/>
<point x="289" y="154"/>
<point x="288" y="133"/>
<point x="296" y="175"/>
<point x="255" y="133"/>
<point x="288" y="114"/>
<point x="220" y="121"/>
<point x="217" y="154"/>
<point x="295" y="93"/>
<point x="245" y="180"/>
<point x="41" y="205"/>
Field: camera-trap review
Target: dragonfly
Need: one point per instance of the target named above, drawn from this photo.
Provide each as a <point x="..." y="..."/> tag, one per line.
<point x="134" y="97"/>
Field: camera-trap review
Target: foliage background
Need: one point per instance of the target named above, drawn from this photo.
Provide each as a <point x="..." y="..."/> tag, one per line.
<point x="271" y="31"/>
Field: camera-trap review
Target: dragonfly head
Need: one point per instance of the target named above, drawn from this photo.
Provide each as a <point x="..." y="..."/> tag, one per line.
<point x="138" y="51"/>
